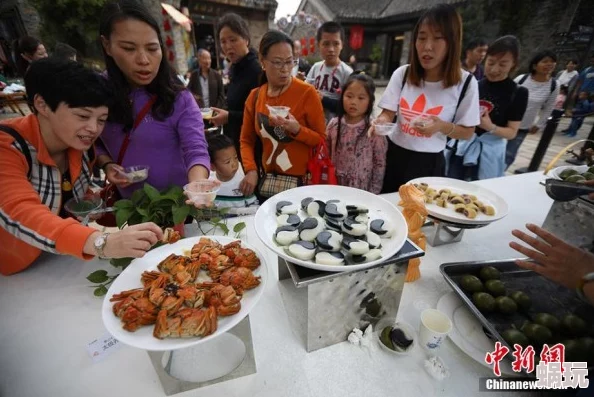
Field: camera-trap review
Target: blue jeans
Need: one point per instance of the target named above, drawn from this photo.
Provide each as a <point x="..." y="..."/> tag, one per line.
<point x="576" y="123"/>
<point x="513" y="146"/>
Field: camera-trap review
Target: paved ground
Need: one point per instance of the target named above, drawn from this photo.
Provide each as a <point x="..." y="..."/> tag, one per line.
<point x="526" y="150"/>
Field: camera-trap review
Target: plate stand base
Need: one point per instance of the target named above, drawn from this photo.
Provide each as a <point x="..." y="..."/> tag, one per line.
<point x="441" y="234"/>
<point x="229" y="356"/>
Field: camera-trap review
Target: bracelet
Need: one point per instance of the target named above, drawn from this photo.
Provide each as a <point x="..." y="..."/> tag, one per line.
<point x="453" y="129"/>
<point x="106" y="164"/>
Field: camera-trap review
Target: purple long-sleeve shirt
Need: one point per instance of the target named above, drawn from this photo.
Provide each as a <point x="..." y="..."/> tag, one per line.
<point x="170" y="147"/>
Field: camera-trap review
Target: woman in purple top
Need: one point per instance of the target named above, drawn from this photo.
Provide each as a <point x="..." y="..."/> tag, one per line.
<point x="170" y="137"/>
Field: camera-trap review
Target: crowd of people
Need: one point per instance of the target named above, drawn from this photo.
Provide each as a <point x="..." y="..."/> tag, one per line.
<point x="454" y="114"/>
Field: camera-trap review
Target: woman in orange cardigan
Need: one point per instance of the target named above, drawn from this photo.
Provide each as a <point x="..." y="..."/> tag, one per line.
<point x="286" y="141"/>
<point x="45" y="158"/>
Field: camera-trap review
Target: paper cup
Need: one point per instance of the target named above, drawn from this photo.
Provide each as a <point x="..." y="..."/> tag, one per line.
<point x="435" y="327"/>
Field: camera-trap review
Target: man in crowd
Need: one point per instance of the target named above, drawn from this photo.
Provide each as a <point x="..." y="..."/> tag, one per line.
<point x="475" y="53"/>
<point x="302" y="67"/>
<point x="206" y="84"/>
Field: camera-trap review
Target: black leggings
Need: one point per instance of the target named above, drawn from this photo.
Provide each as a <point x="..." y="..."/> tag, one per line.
<point x="403" y="165"/>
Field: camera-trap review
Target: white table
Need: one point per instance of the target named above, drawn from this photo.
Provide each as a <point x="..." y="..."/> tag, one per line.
<point x="49" y="314"/>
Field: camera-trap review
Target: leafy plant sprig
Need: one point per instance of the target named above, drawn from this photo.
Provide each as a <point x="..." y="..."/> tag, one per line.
<point x="167" y="209"/>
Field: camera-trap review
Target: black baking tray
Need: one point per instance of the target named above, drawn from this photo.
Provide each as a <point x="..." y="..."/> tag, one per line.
<point x="546" y="296"/>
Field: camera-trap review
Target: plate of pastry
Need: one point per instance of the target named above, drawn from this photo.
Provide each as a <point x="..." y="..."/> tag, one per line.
<point x="331" y="228"/>
<point x="461" y="202"/>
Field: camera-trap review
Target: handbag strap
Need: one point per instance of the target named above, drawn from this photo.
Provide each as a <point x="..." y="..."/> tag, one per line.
<point x="139" y="117"/>
<point x="22" y="143"/>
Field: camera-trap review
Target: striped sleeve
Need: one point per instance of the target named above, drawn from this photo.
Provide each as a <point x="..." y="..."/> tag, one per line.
<point x="24" y="216"/>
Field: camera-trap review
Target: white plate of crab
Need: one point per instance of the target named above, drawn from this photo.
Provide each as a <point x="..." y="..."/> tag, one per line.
<point x="130" y="278"/>
<point x="331" y="228"/>
<point x="492" y="206"/>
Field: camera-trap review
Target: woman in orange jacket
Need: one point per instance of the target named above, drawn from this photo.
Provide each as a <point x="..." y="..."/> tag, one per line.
<point x="44" y="159"/>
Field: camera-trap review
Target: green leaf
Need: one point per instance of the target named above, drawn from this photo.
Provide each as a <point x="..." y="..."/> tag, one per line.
<point x="239" y="227"/>
<point x="135" y="219"/>
<point x="100" y="291"/>
<point x="224" y="228"/>
<point x="174" y="191"/>
<point x="122" y="216"/>
<point x="216" y="220"/>
<point x="138" y="196"/>
<point x="121" y="262"/>
<point x="142" y="211"/>
<point x="98" y="276"/>
<point x="124" y="204"/>
<point x="224" y="210"/>
<point x="152" y="193"/>
<point x="180" y="213"/>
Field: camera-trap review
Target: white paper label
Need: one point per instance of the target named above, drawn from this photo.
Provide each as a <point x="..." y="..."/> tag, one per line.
<point x="102" y="347"/>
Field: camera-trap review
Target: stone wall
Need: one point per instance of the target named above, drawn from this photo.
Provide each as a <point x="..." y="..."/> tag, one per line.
<point x="29" y="22"/>
<point x="551" y="16"/>
<point x="30" y="18"/>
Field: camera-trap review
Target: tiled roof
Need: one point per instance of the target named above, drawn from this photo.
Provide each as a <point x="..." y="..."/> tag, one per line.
<point x="401" y="7"/>
<point x="364" y="9"/>
<point x="379" y="9"/>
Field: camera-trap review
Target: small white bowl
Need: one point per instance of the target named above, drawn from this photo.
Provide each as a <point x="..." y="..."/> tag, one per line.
<point x="202" y="192"/>
<point x="137" y="173"/>
<point x="385" y="128"/>
<point x="409" y="331"/>
<point x="279" y="111"/>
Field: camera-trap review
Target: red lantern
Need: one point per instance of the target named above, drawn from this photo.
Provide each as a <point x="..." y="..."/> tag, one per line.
<point x="168" y="41"/>
<point x="171" y="56"/>
<point x="303" y="42"/>
<point x="356" y="37"/>
<point x="304" y="52"/>
<point x="312" y="41"/>
<point x="166" y="25"/>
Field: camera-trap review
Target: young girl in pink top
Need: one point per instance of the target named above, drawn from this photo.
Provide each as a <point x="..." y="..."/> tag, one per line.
<point x="360" y="160"/>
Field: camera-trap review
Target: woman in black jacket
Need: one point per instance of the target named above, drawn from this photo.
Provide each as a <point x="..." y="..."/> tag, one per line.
<point x="244" y="75"/>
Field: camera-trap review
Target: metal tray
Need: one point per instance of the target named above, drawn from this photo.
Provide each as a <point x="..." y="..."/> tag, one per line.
<point x="546" y="296"/>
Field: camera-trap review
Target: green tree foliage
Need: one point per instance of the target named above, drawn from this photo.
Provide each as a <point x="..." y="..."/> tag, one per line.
<point x="75" y="22"/>
<point x="473" y="18"/>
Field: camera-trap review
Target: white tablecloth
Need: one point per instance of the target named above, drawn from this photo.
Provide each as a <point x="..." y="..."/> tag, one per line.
<point x="49" y="314"/>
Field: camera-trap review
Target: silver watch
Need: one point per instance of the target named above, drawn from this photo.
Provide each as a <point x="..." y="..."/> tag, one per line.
<point x="100" y="243"/>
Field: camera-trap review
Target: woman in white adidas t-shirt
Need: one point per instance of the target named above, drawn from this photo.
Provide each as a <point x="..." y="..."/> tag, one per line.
<point x="436" y="88"/>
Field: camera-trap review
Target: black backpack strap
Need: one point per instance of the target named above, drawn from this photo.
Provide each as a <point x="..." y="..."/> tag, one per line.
<point x="395" y="119"/>
<point x="522" y="79"/>
<point x="404" y="79"/>
<point x="463" y="93"/>
<point x="22" y="143"/>
<point x="553" y="84"/>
